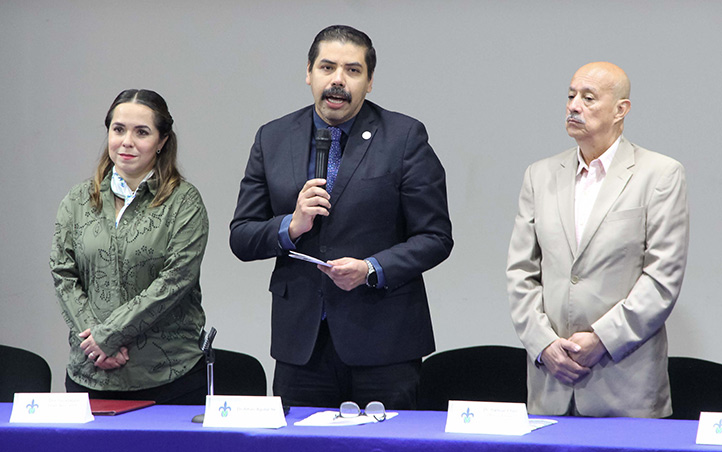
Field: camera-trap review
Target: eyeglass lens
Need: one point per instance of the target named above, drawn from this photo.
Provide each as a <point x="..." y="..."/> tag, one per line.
<point x="349" y="409"/>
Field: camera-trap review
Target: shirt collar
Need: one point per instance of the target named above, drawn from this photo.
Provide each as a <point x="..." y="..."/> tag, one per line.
<point x="321" y="124"/>
<point x="151" y="183"/>
<point x="605" y="159"/>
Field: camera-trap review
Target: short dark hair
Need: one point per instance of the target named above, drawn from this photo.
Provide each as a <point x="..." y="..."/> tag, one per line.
<point x="344" y="33"/>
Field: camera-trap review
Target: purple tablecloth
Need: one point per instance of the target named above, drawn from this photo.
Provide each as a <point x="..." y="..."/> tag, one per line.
<point x="169" y="428"/>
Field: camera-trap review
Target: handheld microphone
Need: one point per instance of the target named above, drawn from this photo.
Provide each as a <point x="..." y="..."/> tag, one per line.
<point x="323" y="144"/>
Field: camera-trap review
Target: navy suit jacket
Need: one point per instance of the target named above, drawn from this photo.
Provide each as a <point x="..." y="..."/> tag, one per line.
<point x="388" y="202"/>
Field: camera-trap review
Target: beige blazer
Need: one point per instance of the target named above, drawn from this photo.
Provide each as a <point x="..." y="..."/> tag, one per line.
<point x="621" y="282"/>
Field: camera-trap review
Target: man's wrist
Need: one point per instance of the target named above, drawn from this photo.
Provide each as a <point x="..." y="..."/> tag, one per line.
<point x="284" y="237"/>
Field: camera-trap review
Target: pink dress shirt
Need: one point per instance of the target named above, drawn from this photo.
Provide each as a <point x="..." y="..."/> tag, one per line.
<point x="589" y="181"/>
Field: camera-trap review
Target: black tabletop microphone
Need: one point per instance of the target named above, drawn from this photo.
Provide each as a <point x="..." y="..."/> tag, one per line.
<point x="323" y="144"/>
<point x="205" y="343"/>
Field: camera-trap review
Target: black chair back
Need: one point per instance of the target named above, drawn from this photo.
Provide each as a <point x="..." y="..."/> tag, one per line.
<point x="488" y="373"/>
<point x="237" y="373"/>
<point x="22" y="371"/>
<point x="695" y="385"/>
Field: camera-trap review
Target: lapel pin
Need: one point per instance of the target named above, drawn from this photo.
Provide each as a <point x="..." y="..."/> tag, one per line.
<point x="366" y="135"/>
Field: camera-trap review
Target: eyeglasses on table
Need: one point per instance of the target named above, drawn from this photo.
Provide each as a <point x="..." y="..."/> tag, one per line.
<point x="373" y="409"/>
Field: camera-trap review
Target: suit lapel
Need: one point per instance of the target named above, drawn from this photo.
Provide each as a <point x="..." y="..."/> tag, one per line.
<point x="614" y="182"/>
<point x="565" y="197"/>
<point x="355" y="149"/>
<point x="299" y="145"/>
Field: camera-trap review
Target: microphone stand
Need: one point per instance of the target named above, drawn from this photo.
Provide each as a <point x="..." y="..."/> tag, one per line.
<point x="205" y="342"/>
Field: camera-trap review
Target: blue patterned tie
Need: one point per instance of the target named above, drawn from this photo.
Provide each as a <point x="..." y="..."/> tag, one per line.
<point x="334" y="158"/>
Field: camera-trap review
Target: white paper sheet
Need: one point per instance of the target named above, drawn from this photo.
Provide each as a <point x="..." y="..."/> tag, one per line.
<point x="306" y="258"/>
<point x="329" y="419"/>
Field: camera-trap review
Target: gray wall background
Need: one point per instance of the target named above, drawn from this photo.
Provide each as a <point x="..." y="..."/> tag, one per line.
<point x="488" y="78"/>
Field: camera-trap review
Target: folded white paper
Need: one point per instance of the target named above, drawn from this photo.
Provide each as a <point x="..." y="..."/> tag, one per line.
<point x="306" y="258"/>
<point x="244" y="412"/>
<point x="709" y="428"/>
<point x="492" y="418"/>
<point x="51" y="408"/>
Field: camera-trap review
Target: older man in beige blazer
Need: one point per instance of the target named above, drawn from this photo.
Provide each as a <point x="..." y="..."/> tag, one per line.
<point x="596" y="262"/>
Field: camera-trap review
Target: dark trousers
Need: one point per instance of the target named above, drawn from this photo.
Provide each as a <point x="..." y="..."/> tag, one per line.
<point x="327" y="382"/>
<point x="190" y="389"/>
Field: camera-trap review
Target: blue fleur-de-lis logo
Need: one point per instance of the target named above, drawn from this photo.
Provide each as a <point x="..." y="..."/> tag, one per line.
<point x="224" y="409"/>
<point x="467" y="416"/>
<point x="718" y="427"/>
<point x="32" y="406"/>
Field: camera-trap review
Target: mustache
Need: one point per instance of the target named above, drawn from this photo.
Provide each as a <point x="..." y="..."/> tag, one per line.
<point x="337" y="92"/>
<point x="576" y="117"/>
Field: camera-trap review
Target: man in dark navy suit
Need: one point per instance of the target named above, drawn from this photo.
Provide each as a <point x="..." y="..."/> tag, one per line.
<point x="355" y="330"/>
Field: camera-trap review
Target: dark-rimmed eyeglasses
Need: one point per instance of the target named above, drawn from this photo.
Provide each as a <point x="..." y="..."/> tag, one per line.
<point x="374" y="409"/>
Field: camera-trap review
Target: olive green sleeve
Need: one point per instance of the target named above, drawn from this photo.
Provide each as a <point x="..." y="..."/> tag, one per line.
<point x="70" y="293"/>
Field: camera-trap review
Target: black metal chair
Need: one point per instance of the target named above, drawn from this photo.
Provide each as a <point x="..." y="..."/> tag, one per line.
<point x="237" y="373"/>
<point x="488" y="373"/>
<point x="22" y="371"/>
<point x="695" y="385"/>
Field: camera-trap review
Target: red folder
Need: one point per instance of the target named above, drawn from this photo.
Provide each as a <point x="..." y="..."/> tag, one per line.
<point x="105" y="407"/>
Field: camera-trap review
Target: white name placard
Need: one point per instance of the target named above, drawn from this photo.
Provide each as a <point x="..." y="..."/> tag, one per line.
<point x="709" y="428"/>
<point x="244" y="412"/>
<point x="491" y="418"/>
<point x="51" y="408"/>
